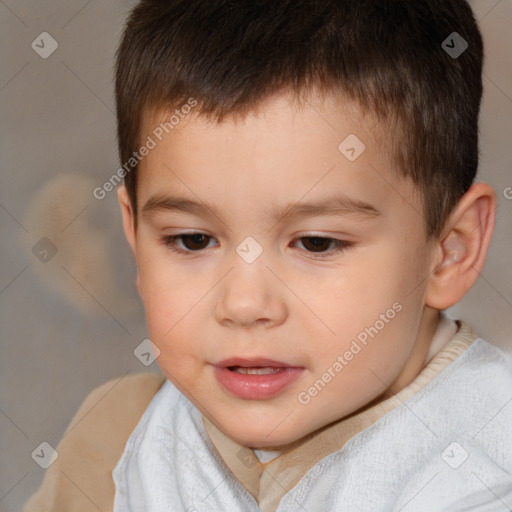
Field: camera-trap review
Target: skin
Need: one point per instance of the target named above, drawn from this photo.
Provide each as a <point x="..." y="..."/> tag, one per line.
<point x="291" y="304"/>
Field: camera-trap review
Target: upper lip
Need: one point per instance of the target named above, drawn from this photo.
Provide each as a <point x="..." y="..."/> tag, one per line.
<point x="252" y="362"/>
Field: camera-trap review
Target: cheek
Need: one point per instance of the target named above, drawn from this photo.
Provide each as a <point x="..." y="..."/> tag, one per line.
<point x="163" y="300"/>
<point x="170" y="315"/>
<point x="162" y="289"/>
<point x="177" y="338"/>
<point x="370" y="283"/>
<point x="377" y="303"/>
<point x="173" y="302"/>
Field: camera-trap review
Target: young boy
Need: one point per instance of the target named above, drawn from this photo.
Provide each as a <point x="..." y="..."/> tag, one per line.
<point x="299" y="198"/>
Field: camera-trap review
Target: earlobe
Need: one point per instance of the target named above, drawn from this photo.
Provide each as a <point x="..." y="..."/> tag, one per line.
<point x="462" y="247"/>
<point x="127" y="215"/>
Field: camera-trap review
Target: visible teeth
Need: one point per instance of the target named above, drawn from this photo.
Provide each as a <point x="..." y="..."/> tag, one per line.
<point x="256" y="371"/>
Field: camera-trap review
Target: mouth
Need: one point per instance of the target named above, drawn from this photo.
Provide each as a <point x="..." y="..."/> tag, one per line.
<point x="259" y="362"/>
<point x="257" y="370"/>
<point x="255" y="379"/>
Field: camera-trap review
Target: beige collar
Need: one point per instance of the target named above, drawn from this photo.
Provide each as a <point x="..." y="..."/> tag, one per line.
<point x="269" y="482"/>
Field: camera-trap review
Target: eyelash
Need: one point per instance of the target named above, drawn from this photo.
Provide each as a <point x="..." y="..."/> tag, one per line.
<point x="169" y="241"/>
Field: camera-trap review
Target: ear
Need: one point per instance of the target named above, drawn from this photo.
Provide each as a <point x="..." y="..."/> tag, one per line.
<point x="462" y="247"/>
<point x="128" y="216"/>
<point x="130" y="230"/>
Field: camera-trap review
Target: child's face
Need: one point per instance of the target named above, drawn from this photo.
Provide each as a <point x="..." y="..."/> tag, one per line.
<point x="300" y="302"/>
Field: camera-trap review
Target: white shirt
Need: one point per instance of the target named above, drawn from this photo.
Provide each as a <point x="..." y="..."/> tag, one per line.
<point x="447" y="448"/>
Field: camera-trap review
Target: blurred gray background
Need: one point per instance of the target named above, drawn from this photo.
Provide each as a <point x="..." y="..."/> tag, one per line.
<point x="70" y="314"/>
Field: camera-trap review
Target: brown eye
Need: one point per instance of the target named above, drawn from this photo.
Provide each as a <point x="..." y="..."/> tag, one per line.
<point x="322" y="247"/>
<point x="190" y="242"/>
<point x="316" y="243"/>
<point x="195" y="242"/>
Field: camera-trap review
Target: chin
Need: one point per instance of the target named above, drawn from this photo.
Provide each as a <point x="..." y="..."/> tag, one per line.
<point x="261" y="441"/>
<point x="266" y="436"/>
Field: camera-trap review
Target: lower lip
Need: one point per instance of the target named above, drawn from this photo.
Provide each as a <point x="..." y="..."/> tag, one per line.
<point x="256" y="387"/>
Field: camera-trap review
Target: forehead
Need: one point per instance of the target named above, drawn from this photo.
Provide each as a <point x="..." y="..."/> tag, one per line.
<point x="282" y="152"/>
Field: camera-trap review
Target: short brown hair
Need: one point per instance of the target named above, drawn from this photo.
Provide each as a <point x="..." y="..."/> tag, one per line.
<point x="387" y="55"/>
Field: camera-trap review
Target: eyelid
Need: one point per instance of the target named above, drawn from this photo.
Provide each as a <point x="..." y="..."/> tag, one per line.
<point x="341" y="244"/>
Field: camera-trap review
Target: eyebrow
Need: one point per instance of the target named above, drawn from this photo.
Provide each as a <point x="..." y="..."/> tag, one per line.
<point x="339" y="205"/>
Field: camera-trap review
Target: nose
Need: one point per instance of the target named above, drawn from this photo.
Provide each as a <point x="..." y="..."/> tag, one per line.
<point x="251" y="295"/>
